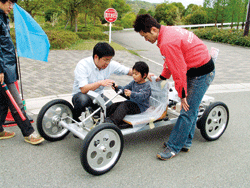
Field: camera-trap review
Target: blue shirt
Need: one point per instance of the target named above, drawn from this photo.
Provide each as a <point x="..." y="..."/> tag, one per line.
<point x="140" y="94"/>
<point x="86" y="72"/>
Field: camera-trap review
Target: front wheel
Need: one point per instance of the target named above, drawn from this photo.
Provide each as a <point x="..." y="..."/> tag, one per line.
<point x="102" y="149"/>
<point x="49" y="117"/>
<point x="214" y="121"/>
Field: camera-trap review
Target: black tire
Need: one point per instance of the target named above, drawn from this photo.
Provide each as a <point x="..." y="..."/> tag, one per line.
<point x="214" y="121"/>
<point x="49" y="117"/>
<point x="102" y="148"/>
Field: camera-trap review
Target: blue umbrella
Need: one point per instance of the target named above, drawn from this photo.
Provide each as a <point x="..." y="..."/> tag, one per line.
<point x="31" y="41"/>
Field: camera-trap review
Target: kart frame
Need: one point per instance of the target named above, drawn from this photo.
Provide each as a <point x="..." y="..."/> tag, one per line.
<point x="103" y="142"/>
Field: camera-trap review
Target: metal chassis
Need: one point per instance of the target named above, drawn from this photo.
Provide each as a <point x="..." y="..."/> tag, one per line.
<point x="80" y="130"/>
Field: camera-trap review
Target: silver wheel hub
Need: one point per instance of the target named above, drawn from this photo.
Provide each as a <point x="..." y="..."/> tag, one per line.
<point x="104" y="149"/>
<point x="216" y="121"/>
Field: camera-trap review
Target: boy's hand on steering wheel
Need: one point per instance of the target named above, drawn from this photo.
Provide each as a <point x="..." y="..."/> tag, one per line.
<point x="114" y="86"/>
<point x="127" y="92"/>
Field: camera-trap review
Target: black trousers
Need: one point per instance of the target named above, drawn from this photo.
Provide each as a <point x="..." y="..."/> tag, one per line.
<point x="117" y="111"/>
<point x="81" y="101"/>
<point x="5" y="103"/>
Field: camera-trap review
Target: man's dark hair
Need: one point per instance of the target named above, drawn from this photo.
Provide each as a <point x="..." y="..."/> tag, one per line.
<point x="145" y="22"/>
<point x="103" y="49"/>
<point x="141" y="67"/>
<point x="4" y="1"/>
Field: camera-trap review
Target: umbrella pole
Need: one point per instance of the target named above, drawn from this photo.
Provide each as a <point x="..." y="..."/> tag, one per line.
<point x="21" y="84"/>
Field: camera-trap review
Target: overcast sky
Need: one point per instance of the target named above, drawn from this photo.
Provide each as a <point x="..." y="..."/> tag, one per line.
<point x="184" y="2"/>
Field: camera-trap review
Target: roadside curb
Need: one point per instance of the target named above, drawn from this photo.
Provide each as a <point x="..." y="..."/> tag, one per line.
<point x="34" y="105"/>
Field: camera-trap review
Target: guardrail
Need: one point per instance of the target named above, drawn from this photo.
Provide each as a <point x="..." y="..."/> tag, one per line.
<point x="201" y="25"/>
<point x="208" y="25"/>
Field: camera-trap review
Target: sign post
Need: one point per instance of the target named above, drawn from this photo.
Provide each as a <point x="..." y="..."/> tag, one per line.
<point x="110" y="16"/>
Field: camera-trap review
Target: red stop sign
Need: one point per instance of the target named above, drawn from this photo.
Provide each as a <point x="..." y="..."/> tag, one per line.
<point x="110" y="15"/>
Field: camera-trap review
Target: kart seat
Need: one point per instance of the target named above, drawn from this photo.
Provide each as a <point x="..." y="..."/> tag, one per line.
<point x="158" y="105"/>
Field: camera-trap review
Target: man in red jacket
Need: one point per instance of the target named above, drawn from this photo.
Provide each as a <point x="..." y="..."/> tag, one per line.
<point x="187" y="59"/>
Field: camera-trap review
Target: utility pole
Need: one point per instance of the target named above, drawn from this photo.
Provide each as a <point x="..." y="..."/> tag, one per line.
<point x="246" y="31"/>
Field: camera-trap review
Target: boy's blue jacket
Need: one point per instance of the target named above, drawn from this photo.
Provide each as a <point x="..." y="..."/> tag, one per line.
<point x="8" y="62"/>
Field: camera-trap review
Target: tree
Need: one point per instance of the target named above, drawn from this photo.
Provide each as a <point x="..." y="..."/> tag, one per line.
<point x="244" y="11"/>
<point x="190" y="9"/>
<point x="160" y="12"/>
<point x="180" y="6"/>
<point x="151" y="13"/>
<point x="223" y="12"/>
<point x="33" y="6"/>
<point x="198" y="17"/>
<point x="99" y="7"/>
<point x="142" y="11"/>
<point x="168" y="13"/>
<point x="246" y="31"/>
<point x="121" y="7"/>
<point x="128" y="20"/>
<point x="171" y="13"/>
<point x="95" y="9"/>
<point x="72" y="8"/>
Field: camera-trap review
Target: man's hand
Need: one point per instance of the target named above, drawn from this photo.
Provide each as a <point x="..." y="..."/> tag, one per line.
<point x="184" y="104"/>
<point x="107" y="82"/>
<point x="1" y="78"/>
<point x="85" y="89"/>
<point x="158" y="79"/>
<point x="149" y="76"/>
<point x="127" y="92"/>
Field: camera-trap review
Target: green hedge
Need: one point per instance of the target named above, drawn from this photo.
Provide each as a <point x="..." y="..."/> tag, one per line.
<point x="97" y="35"/>
<point x="61" y="39"/>
<point x="230" y="36"/>
<point x="88" y="28"/>
<point x="113" y="28"/>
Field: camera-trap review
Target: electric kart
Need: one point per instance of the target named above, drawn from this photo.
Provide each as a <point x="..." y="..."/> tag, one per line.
<point x="103" y="142"/>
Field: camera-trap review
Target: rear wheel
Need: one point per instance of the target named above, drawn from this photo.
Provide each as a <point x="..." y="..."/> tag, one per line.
<point x="214" y="121"/>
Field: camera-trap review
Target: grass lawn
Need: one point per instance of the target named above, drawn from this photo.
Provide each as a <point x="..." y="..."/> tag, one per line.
<point x="89" y="45"/>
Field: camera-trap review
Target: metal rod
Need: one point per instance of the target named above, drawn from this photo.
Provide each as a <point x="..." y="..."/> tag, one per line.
<point x="73" y="129"/>
<point x="110" y="32"/>
<point x="118" y="93"/>
<point x="20" y="76"/>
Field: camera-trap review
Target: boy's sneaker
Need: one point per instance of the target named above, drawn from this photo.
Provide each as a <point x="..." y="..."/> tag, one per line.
<point x="6" y="135"/>
<point x="166" y="154"/>
<point x="34" y="139"/>
<point x="184" y="149"/>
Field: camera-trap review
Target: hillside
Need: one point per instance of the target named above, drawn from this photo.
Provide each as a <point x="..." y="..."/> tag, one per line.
<point x="136" y="5"/>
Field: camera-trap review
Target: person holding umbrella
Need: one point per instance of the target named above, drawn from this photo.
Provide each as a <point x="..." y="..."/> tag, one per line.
<point x="8" y="77"/>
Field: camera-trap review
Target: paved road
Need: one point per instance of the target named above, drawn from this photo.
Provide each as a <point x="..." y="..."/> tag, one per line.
<point x="232" y="65"/>
<point x="222" y="163"/>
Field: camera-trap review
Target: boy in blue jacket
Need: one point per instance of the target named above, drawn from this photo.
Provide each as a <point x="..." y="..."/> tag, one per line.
<point x="137" y="92"/>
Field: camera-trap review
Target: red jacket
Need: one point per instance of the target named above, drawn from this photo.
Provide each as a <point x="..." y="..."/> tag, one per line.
<point x="182" y="50"/>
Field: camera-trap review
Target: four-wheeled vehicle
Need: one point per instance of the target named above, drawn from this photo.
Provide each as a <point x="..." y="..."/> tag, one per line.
<point x="103" y="142"/>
